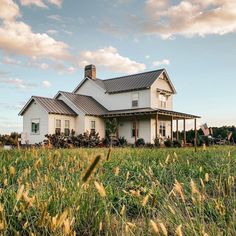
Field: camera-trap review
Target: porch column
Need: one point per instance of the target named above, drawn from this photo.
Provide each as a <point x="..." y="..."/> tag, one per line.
<point x="184" y="131"/>
<point x="171" y="128"/>
<point x="195" y="130"/>
<point x="117" y="131"/>
<point x="177" y="129"/>
<point x="156" y="130"/>
<point x="135" y="129"/>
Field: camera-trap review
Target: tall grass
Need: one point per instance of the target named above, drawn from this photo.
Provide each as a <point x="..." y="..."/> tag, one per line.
<point x="131" y="192"/>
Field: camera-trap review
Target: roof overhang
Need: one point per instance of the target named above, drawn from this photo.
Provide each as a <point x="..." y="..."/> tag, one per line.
<point x="150" y="111"/>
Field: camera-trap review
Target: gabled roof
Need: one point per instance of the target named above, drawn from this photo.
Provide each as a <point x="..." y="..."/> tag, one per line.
<point x="130" y="82"/>
<point x="87" y="104"/>
<point x="51" y="106"/>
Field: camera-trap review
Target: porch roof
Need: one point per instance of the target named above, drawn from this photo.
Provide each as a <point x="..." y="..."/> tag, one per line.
<point x="149" y="111"/>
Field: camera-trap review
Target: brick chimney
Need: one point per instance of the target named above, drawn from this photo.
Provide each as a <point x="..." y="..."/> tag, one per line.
<point x="90" y="71"/>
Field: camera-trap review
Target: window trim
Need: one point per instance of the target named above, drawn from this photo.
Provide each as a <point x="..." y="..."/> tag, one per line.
<point x="67" y="128"/>
<point x="162" y="100"/>
<point x="31" y="121"/>
<point x="133" y="129"/>
<point x="93" y="127"/>
<point x="57" y="127"/>
<point x="134" y="99"/>
<point x="162" y="128"/>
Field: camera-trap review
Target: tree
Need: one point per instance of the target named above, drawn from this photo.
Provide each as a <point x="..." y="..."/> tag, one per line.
<point x="111" y="129"/>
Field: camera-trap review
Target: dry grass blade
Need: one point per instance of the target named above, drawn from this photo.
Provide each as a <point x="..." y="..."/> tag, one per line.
<point x="91" y="168"/>
<point x="109" y="154"/>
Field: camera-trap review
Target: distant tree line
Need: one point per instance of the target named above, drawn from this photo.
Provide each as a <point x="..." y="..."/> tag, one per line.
<point x="219" y="133"/>
<point x="11" y="139"/>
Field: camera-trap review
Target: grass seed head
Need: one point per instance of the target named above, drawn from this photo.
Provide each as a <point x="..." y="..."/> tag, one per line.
<point x="12" y="171"/>
<point x="154" y="227"/>
<point x="100" y="189"/>
<point x="178" y="230"/>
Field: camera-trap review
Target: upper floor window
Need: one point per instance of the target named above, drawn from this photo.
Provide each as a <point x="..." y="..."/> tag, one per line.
<point x="67" y="128"/>
<point x="35" y="126"/>
<point x="135" y="100"/>
<point x="93" y="126"/>
<point x="162" y="100"/>
<point x="162" y="129"/>
<point x="58" y="127"/>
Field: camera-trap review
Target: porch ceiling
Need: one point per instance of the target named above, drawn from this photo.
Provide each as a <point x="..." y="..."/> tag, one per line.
<point x="149" y="111"/>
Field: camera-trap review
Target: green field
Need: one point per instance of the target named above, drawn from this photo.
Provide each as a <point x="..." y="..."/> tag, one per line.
<point x="134" y="192"/>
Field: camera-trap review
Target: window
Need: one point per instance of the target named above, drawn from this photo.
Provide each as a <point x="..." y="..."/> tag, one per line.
<point x="162" y="129"/>
<point x="58" y="127"/>
<point x="35" y="126"/>
<point x="162" y="99"/>
<point x="67" y="128"/>
<point x="92" y="127"/>
<point x="135" y="123"/>
<point x="135" y="100"/>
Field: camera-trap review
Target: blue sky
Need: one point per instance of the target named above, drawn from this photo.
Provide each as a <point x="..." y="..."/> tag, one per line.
<point x="45" y="44"/>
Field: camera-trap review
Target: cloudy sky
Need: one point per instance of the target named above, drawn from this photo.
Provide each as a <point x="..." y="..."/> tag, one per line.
<point x="45" y="44"/>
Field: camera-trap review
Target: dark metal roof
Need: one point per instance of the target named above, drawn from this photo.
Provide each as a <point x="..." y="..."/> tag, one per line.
<point x="85" y="103"/>
<point x="130" y="82"/>
<point x="51" y="106"/>
<point x="144" y="111"/>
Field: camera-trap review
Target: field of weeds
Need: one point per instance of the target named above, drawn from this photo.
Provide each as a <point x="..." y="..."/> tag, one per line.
<point x="118" y="192"/>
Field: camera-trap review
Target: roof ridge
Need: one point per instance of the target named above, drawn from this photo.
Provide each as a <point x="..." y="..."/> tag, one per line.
<point x="76" y="94"/>
<point x="42" y="97"/>
<point x="146" y="72"/>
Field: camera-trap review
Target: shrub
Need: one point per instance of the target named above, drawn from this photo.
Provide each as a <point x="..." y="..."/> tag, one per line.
<point x="168" y="143"/>
<point x="177" y="143"/>
<point x="122" y="141"/>
<point x="140" y="142"/>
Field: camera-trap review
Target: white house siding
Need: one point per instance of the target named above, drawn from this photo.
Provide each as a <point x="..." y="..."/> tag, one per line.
<point x="79" y="120"/>
<point x="52" y="122"/>
<point x="35" y="111"/>
<point x="99" y="125"/>
<point x="160" y="84"/>
<point x="118" y="101"/>
<point x="125" y="129"/>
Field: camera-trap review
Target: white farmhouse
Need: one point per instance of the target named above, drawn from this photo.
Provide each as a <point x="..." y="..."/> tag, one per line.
<point x="142" y="104"/>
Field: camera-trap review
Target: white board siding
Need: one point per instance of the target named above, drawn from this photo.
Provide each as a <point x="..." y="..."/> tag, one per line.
<point x="125" y="130"/>
<point x="79" y="120"/>
<point x="35" y="111"/>
<point x="160" y="84"/>
<point x="99" y="125"/>
<point x="116" y="101"/>
<point x="52" y="122"/>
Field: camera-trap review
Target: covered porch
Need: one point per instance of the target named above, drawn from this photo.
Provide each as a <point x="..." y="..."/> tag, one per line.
<point x="156" y="129"/>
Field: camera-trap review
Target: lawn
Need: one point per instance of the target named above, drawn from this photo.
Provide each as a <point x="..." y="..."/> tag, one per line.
<point x="123" y="192"/>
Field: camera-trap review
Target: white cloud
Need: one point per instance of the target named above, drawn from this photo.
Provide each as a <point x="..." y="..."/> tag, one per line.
<point x="147" y="56"/>
<point x="56" y="18"/>
<point x="9" y="10"/>
<point x="46" y="84"/>
<point x="17" y="37"/>
<point x="41" y="3"/>
<point x="52" y="31"/>
<point x="164" y="62"/>
<point x="56" y="2"/>
<point x="190" y="17"/>
<point x="38" y="3"/>
<point x="16" y="82"/>
<point x="109" y="58"/>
